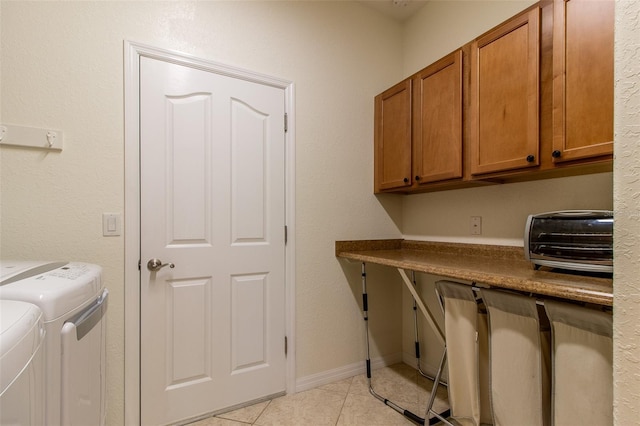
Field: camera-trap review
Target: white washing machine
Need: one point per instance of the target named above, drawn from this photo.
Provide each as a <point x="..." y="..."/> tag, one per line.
<point x="73" y="304"/>
<point x="21" y="364"/>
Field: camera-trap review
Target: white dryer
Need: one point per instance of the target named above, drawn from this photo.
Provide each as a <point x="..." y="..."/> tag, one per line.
<point x="21" y="364"/>
<point x="73" y="304"/>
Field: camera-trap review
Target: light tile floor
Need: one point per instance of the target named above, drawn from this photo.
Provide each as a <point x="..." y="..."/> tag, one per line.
<point x="343" y="403"/>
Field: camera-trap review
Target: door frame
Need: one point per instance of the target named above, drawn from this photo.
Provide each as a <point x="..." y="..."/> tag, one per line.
<point x="132" y="53"/>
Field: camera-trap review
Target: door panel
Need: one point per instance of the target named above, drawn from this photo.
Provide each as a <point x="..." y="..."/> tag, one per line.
<point x="188" y="344"/>
<point x="583" y="37"/>
<point x="249" y="136"/>
<point x="248" y="322"/>
<point x="437" y="138"/>
<point x="188" y="174"/>
<point x="212" y="204"/>
<point x="393" y="137"/>
<point x="505" y="96"/>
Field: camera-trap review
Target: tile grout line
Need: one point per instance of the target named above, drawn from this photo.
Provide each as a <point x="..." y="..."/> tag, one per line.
<point x="262" y="412"/>
<point x="344" y="400"/>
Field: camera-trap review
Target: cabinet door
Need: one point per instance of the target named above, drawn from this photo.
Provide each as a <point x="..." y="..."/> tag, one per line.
<point x="505" y="96"/>
<point x="393" y="137"/>
<point x="582" y="79"/>
<point x="437" y="120"/>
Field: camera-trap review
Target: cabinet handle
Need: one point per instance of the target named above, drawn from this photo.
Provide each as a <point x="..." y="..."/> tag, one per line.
<point x="531" y="158"/>
<point x="405" y="180"/>
<point x="556" y="154"/>
<point x="417" y="177"/>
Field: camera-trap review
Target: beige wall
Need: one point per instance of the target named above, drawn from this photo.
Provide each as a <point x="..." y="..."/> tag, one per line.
<point x="626" y="291"/>
<point x="62" y="67"/>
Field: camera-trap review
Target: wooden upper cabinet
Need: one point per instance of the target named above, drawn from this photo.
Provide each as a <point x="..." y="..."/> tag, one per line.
<point x="582" y="79"/>
<point x="392" y="138"/>
<point x="505" y="95"/>
<point x="531" y="98"/>
<point x="437" y="121"/>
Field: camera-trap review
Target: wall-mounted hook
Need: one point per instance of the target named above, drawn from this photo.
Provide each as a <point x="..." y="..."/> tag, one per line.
<point x="51" y="138"/>
<point x="32" y="137"/>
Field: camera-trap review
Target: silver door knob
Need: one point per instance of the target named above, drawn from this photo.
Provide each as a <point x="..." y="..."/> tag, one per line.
<point x="156" y="264"/>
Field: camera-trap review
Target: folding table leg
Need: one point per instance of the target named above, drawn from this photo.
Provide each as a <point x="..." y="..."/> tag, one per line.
<point x="438" y="417"/>
<point x="417" y="338"/>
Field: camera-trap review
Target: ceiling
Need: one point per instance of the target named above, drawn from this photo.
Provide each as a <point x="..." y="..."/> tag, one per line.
<point x="399" y="10"/>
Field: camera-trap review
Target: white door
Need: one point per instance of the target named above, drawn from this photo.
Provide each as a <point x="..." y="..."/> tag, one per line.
<point x="212" y="204"/>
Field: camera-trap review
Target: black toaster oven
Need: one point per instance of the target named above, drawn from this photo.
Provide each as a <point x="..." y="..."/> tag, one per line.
<point x="580" y="240"/>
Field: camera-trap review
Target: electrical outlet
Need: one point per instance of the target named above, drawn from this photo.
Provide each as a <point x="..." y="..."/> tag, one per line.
<point x="475" y="225"/>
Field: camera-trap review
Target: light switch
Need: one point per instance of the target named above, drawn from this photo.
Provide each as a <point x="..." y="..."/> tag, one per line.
<point x="111" y="224"/>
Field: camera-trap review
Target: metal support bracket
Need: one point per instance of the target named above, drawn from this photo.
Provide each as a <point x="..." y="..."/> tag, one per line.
<point x="423" y="308"/>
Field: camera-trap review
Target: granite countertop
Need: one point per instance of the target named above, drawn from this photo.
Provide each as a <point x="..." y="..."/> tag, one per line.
<point x="493" y="266"/>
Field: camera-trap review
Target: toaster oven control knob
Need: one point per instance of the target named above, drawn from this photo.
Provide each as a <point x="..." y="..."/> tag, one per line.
<point x="531" y="158"/>
<point x="556" y="154"/>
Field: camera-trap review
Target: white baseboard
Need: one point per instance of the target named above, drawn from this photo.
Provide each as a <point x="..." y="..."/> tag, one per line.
<point x="341" y="373"/>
